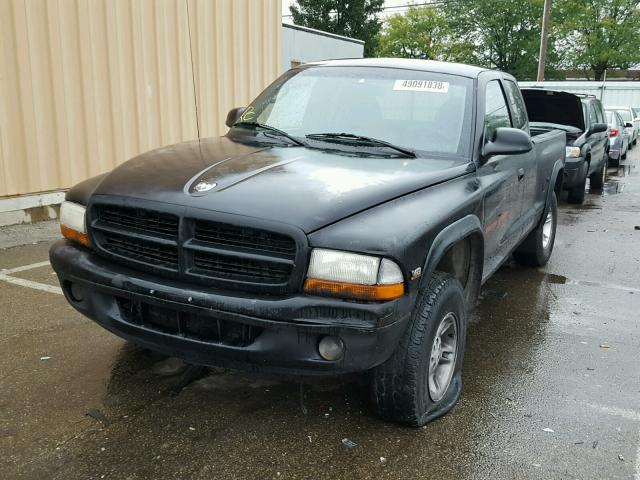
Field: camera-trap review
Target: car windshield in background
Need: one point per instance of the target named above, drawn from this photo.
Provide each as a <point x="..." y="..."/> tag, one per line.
<point x="424" y="112"/>
<point x="626" y="115"/>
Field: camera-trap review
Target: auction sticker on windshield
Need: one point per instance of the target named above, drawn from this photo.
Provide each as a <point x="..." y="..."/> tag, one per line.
<point x="421" y="86"/>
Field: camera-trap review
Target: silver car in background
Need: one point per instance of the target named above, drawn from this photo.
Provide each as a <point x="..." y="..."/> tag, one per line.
<point x="631" y="121"/>
<point x="618" y="137"/>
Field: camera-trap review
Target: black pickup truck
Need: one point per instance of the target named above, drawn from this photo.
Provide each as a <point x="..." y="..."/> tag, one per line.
<point x="345" y="223"/>
<point x="583" y="119"/>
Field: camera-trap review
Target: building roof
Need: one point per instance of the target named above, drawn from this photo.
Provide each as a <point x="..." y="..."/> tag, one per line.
<point x="460" y="69"/>
<point x="322" y="33"/>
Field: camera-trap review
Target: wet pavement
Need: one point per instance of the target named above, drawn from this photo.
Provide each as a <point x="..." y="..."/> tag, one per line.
<point x="551" y="383"/>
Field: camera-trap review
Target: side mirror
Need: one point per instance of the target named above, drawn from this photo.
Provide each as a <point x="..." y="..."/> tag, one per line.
<point x="233" y="116"/>
<point x="628" y="125"/>
<point x="598" y="127"/>
<point x="507" y="141"/>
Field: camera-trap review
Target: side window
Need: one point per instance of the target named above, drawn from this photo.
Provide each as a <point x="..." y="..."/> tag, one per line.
<point x="599" y="112"/>
<point x="518" y="108"/>
<point x="496" y="113"/>
<point x="593" y="118"/>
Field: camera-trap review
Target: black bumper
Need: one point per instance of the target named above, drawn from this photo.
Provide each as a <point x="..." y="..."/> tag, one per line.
<point x="574" y="172"/>
<point x="278" y="334"/>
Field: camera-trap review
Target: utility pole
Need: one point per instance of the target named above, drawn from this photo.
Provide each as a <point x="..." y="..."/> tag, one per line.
<point x="543" y="39"/>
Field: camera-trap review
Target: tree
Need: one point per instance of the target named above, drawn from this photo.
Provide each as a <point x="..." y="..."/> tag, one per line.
<point x="421" y="32"/>
<point x="599" y="34"/>
<point x="504" y="34"/>
<point x="351" y="18"/>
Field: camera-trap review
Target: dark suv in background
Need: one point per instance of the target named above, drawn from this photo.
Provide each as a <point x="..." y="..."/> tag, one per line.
<point x="583" y="119"/>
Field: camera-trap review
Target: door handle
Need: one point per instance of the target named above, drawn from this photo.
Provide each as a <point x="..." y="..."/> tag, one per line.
<point x="520" y="174"/>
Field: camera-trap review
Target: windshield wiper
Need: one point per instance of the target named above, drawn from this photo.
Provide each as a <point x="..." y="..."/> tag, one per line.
<point x="274" y="130"/>
<point x="353" y="138"/>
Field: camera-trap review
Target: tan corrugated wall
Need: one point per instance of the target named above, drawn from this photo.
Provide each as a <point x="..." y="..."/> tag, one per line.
<point x="85" y="85"/>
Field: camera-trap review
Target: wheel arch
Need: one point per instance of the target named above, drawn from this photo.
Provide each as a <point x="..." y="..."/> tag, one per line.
<point x="556" y="180"/>
<point x="459" y="250"/>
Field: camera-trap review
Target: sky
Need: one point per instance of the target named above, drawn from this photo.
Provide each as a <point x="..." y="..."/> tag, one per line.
<point x="387" y="3"/>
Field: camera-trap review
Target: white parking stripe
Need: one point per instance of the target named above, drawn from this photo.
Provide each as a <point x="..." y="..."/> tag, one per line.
<point x="9" y="271"/>
<point x="618" y="412"/>
<point x="28" y="283"/>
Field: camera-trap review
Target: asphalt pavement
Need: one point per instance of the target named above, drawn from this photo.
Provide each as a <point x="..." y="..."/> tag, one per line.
<point x="551" y="382"/>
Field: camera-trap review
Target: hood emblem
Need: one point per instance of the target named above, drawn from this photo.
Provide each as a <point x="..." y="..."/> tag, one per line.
<point x="204" y="186"/>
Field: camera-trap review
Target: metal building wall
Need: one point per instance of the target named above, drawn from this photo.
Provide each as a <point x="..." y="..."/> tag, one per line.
<point x="88" y="84"/>
<point x="611" y="93"/>
<point x="302" y="45"/>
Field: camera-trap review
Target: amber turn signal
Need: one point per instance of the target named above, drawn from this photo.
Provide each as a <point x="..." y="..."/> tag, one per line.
<point x="353" y="290"/>
<point x="75" y="236"/>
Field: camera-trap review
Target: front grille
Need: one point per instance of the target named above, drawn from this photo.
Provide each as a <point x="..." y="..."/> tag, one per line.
<point x="194" y="249"/>
<point x="211" y="264"/>
<point x="136" y="219"/>
<point x="245" y="238"/>
<point x="187" y="324"/>
<point x="140" y="250"/>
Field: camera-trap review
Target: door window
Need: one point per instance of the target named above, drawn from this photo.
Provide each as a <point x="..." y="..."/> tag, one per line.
<point x="496" y="113"/>
<point x="599" y="112"/>
<point x="593" y="118"/>
<point x="518" y="108"/>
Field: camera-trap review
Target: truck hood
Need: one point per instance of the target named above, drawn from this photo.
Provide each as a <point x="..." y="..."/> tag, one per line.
<point x="305" y="187"/>
<point x="549" y="106"/>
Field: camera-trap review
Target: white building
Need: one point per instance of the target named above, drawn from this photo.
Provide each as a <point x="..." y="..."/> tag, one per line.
<point x="303" y="45"/>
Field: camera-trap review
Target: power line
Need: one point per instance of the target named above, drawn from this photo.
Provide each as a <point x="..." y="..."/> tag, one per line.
<point x="435" y="3"/>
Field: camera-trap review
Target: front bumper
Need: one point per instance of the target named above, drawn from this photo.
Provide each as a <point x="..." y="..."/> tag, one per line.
<point x="279" y="334"/>
<point x="573" y="171"/>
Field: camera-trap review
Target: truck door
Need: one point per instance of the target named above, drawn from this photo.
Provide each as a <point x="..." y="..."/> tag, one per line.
<point x="501" y="177"/>
<point x="603" y="137"/>
<point x="532" y="198"/>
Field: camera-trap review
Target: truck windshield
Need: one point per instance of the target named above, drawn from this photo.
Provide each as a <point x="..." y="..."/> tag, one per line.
<point x="424" y="112"/>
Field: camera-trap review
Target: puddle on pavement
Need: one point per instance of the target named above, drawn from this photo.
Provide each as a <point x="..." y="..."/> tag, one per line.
<point x="613" y="187"/>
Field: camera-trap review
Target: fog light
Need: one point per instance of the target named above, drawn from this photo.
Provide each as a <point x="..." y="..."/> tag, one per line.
<point x="74" y="291"/>
<point x="331" y="348"/>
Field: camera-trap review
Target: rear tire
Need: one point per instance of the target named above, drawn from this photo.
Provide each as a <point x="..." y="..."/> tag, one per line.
<point x="422" y="379"/>
<point x="536" y="249"/>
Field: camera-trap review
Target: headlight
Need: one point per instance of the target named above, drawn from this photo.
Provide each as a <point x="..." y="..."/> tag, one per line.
<point x="72" y="223"/>
<point x="572" y="152"/>
<point x="351" y="275"/>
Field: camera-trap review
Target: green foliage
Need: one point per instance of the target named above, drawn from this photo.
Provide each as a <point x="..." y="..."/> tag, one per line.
<point x="502" y="34"/>
<point x="351" y="18"/>
<point x="505" y="34"/>
<point x="599" y="34"/>
<point x="421" y="32"/>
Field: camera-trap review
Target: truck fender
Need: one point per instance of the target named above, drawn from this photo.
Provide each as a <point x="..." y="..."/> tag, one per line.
<point x="553" y="179"/>
<point x="466" y="226"/>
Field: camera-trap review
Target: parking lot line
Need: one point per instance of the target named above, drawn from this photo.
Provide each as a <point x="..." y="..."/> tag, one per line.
<point x="28" y="283"/>
<point x="9" y="271"/>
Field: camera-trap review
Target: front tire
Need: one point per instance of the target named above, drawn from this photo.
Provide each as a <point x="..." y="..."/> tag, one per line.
<point x="422" y="379"/>
<point x="536" y="249"/>
<point x="598" y="178"/>
<point x="577" y="193"/>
